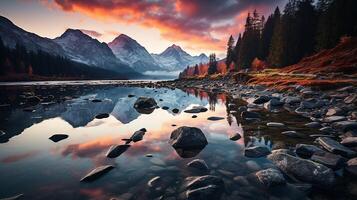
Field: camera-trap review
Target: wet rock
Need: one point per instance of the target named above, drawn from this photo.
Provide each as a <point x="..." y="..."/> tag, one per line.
<point x="58" y="137"/>
<point x="327" y="129"/>
<point x="292" y="100"/>
<point x="247" y="114"/>
<point x="175" y="110"/>
<point x="304" y="170"/>
<point x="256" y="151"/>
<point x="235" y="137"/>
<point x="2" y="133"/>
<point x="33" y="100"/>
<point x="334" y="147"/>
<point x="131" y="95"/>
<point x="215" y="118"/>
<point x="293" y="134"/>
<point x="345" y="89"/>
<point x="345" y="125"/>
<point x="198" y="164"/>
<point x="97" y="173"/>
<point x="165" y="108"/>
<point x="102" y="116"/>
<point x="351" y="99"/>
<point x="275" y="124"/>
<point x="313" y="125"/>
<point x="154" y="182"/>
<point x="206" y="187"/>
<point x="333" y="119"/>
<point x="96" y="100"/>
<point x="349" y="142"/>
<point x="273" y="103"/>
<point x="145" y="105"/>
<point x="328" y="159"/>
<point x="306" y="150"/>
<point x="351" y="167"/>
<point x="306" y="188"/>
<point x="287" y="151"/>
<point x="335" y="111"/>
<point x="16" y="197"/>
<point x="270" y="177"/>
<point x="188" y="141"/>
<point x="196" y="109"/>
<point x="261" y="100"/>
<point x="137" y="136"/>
<point x="194" y="116"/>
<point x="116" y="150"/>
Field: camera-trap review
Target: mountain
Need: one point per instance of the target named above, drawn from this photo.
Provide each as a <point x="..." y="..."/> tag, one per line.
<point x="132" y="53"/>
<point x="82" y="48"/>
<point x="12" y="35"/>
<point x="174" y="58"/>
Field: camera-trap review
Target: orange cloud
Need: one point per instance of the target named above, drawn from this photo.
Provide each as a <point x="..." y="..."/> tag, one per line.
<point x="192" y="23"/>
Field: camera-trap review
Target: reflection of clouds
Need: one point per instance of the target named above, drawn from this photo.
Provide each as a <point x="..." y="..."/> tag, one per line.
<point x="18" y="157"/>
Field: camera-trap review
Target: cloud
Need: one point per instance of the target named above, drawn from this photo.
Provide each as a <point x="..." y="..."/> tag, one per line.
<point x="91" y="33"/>
<point x="198" y="24"/>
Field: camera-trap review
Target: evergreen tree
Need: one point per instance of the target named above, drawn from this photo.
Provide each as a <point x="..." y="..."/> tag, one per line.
<point x="229" y="57"/>
<point x="236" y="53"/>
<point x="212" y="65"/>
<point x="196" y="72"/>
<point x="267" y="34"/>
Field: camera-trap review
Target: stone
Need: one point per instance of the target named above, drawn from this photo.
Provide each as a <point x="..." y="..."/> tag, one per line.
<point x="137" y="136"/>
<point x="102" y="116"/>
<point x="198" y="164"/>
<point x="215" y="118"/>
<point x="334" y="111"/>
<point x="330" y="160"/>
<point x="33" y="100"/>
<point x="270" y="177"/>
<point x="208" y="192"/>
<point x="187" y="137"/>
<point x="304" y="170"/>
<point x="293" y="134"/>
<point x="334" y="147"/>
<point x="351" y="167"/>
<point x="175" y="110"/>
<point x="292" y="100"/>
<point x="261" y="99"/>
<point x="273" y="103"/>
<point x="327" y="129"/>
<point x="287" y="151"/>
<point x="345" y="125"/>
<point x="349" y="142"/>
<point x="96" y="100"/>
<point x="275" y="124"/>
<point x="247" y="114"/>
<point x="145" y="105"/>
<point x="196" y="109"/>
<point x="165" y="108"/>
<point x="58" y="137"/>
<point x="116" y="150"/>
<point x="313" y="125"/>
<point x="194" y="116"/>
<point x="235" y="137"/>
<point x="306" y="150"/>
<point x="154" y="182"/>
<point x="97" y="173"/>
<point x="351" y="99"/>
<point x="16" y="197"/>
<point x="256" y="151"/>
<point x="333" y="119"/>
<point x="131" y="95"/>
<point x="202" y="181"/>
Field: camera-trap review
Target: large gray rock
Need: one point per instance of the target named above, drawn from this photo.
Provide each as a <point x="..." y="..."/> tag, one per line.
<point x="328" y="159"/>
<point x="97" y="173"/>
<point x="256" y="151"/>
<point x="304" y="170"/>
<point x="270" y="177"/>
<point x="188" y="137"/>
<point x="145" y="105"/>
<point x="306" y="150"/>
<point x="334" y="147"/>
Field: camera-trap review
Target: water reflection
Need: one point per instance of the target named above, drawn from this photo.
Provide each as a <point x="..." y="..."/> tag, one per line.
<point x="54" y="169"/>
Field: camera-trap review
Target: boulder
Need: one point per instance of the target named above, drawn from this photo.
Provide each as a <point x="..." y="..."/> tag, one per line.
<point x="256" y="151"/>
<point x="97" y="173"/>
<point x="198" y="164"/>
<point x="187" y="137"/>
<point x="196" y="109"/>
<point x="349" y="142"/>
<point x="270" y="177"/>
<point x="306" y="150"/>
<point x="304" y="170"/>
<point x="261" y="99"/>
<point x="334" y="147"/>
<point x="328" y="159"/>
<point x="58" y="137"/>
<point x="145" y="105"/>
<point x="116" y="150"/>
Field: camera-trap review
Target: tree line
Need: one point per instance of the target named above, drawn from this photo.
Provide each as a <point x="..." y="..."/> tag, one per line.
<point x="19" y="60"/>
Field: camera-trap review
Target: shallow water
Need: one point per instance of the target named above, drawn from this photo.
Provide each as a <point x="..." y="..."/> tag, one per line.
<point x="35" y="166"/>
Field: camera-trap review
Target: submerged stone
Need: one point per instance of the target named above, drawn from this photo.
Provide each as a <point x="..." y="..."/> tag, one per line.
<point x="97" y="173"/>
<point x="270" y="177"/>
<point x="116" y="150"/>
<point x="58" y="137"/>
<point x="256" y="151"/>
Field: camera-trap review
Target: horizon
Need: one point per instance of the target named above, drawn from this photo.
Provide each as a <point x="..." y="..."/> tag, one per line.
<point x="52" y="18"/>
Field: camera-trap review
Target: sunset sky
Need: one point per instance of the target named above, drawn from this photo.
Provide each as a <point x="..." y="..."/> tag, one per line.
<point x="196" y="25"/>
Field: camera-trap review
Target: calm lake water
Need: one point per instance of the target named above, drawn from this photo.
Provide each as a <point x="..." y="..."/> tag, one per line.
<point x="39" y="168"/>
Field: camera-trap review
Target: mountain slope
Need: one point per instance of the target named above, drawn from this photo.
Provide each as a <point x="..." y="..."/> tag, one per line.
<point x="131" y="52"/>
<point x="82" y="48"/>
<point x="174" y="58"/>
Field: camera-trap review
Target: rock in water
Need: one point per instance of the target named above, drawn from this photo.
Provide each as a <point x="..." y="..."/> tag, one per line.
<point x="345" y="125"/>
<point x="328" y="159"/>
<point x="154" y="182"/>
<point x="102" y="116"/>
<point x="352" y="167"/>
<point x="16" y="197"/>
<point x="306" y="150"/>
<point x="304" y="170"/>
<point x="97" y="173"/>
<point x="188" y="141"/>
<point x="270" y="177"/>
<point x="145" y="105"/>
<point x="275" y="124"/>
<point x="58" y="137"/>
<point x="198" y="164"/>
<point x="215" y="118"/>
<point x="206" y="187"/>
<point x="349" y="142"/>
<point x="136" y="137"/>
<point x="247" y="114"/>
<point x="257" y="151"/>
<point x="235" y="137"/>
<point x="293" y="134"/>
<point x="175" y="110"/>
<point x="196" y="109"/>
<point x="261" y="100"/>
<point x="334" y="147"/>
<point x="116" y="150"/>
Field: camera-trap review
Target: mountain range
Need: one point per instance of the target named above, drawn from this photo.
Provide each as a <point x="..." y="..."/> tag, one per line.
<point x="123" y="55"/>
